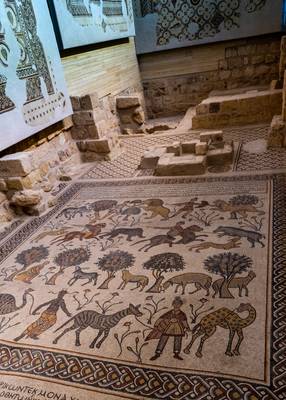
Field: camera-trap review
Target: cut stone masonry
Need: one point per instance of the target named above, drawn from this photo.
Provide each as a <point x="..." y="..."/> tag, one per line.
<point x="95" y="129"/>
<point x="131" y="114"/>
<point x="189" y="158"/>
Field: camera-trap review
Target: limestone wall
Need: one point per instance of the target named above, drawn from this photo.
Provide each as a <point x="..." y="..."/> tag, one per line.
<point x="176" y="79"/>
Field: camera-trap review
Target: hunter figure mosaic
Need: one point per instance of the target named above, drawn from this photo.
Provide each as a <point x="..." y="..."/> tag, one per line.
<point x="115" y="287"/>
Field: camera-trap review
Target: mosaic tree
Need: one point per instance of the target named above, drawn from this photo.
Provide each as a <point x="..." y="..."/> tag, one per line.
<point x="69" y="258"/>
<point x="227" y="265"/>
<point x="28" y="257"/>
<point x="160" y="264"/>
<point x="113" y="262"/>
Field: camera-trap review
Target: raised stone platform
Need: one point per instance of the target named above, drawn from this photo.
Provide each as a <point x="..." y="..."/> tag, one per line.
<point x="189" y="158"/>
<point x="237" y="109"/>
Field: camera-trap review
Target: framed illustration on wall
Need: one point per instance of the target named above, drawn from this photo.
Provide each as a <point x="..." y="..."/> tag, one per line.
<point x="170" y="24"/>
<point x="33" y="93"/>
<point x="84" y="22"/>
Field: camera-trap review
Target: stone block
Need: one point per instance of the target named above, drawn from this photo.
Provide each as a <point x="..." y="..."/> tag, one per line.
<point x="2" y="198"/>
<point x="282" y="63"/>
<point x="89" y="101"/>
<point x="32" y="179"/>
<point x="44" y="168"/>
<point x="17" y="164"/>
<point x="67" y="123"/>
<point x="79" y="133"/>
<point x="174" y="148"/>
<point x="126" y="117"/>
<point x="189" y="147"/>
<point x="151" y="157"/>
<point x="277" y="132"/>
<point x="202" y="109"/>
<point x="35" y="210"/>
<point x="201" y="149"/>
<point x="190" y="164"/>
<point x="3" y="186"/>
<point x="270" y="58"/>
<point x="15" y="183"/>
<point x="124" y="102"/>
<point x="26" y="198"/>
<point x="284" y="98"/>
<point x="220" y="156"/>
<point x="258" y="59"/>
<point x="231" y="52"/>
<point x="83" y="118"/>
<point x="75" y="101"/>
<point x="214" y="108"/>
<point x="96" y="146"/>
<point x="138" y="116"/>
<point x="216" y="136"/>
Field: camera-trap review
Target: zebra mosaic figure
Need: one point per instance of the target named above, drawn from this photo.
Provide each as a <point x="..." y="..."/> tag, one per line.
<point x="95" y="320"/>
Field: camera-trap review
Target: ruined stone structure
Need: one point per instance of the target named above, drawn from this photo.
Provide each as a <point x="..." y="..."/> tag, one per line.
<point x="189" y="158"/>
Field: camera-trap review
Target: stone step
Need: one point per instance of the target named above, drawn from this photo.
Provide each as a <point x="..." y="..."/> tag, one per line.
<point x="237" y="109"/>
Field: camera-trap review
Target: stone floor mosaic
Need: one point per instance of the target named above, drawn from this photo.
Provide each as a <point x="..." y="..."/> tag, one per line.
<point x="148" y="289"/>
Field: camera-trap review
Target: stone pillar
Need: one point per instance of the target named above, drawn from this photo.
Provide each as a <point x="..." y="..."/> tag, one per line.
<point x="95" y="128"/>
<point x="282" y="65"/>
<point x="131" y="114"/>
<point x="277" y="131"/>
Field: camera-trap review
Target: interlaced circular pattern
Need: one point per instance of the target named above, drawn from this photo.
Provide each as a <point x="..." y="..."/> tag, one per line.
<point x="198" y="19"/>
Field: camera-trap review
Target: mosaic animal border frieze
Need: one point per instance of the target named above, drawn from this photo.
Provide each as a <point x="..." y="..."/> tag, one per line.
<point x="82" y="22"/>
<point x="84" y="302"/>
<point x="33" y="93"/>
<point x="178" y="23"/>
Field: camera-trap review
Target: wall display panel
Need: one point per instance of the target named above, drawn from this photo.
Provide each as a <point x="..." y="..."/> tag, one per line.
<point x="167" y="24"/>
<point x="33" y="94"/>
<point x="83" y="22"/>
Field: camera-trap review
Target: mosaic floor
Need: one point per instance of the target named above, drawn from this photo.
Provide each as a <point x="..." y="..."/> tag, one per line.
<point x="148" y="289"/>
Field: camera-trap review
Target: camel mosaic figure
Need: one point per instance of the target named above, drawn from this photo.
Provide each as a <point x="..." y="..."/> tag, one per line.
<point x="239" y="283"/>
<point x="95" y="320"/>
<point x="201" y="281"/>
<point x="141" y="280"/>
<point x="226" y="319"/>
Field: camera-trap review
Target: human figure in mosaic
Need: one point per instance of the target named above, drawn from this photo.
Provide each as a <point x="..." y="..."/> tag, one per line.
<point x="47" y="319"/>
<point x="174" y="324"/>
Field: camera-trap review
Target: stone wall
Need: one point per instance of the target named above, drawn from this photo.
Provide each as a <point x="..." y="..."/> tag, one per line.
<point x="34" y="167"/>
<point x="177" y="79"/>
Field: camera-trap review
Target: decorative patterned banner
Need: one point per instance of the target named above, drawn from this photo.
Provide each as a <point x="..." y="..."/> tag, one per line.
<point x="32" y="89"/>
<point x="83" y="22"/>
<point x="177" y="23"/>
